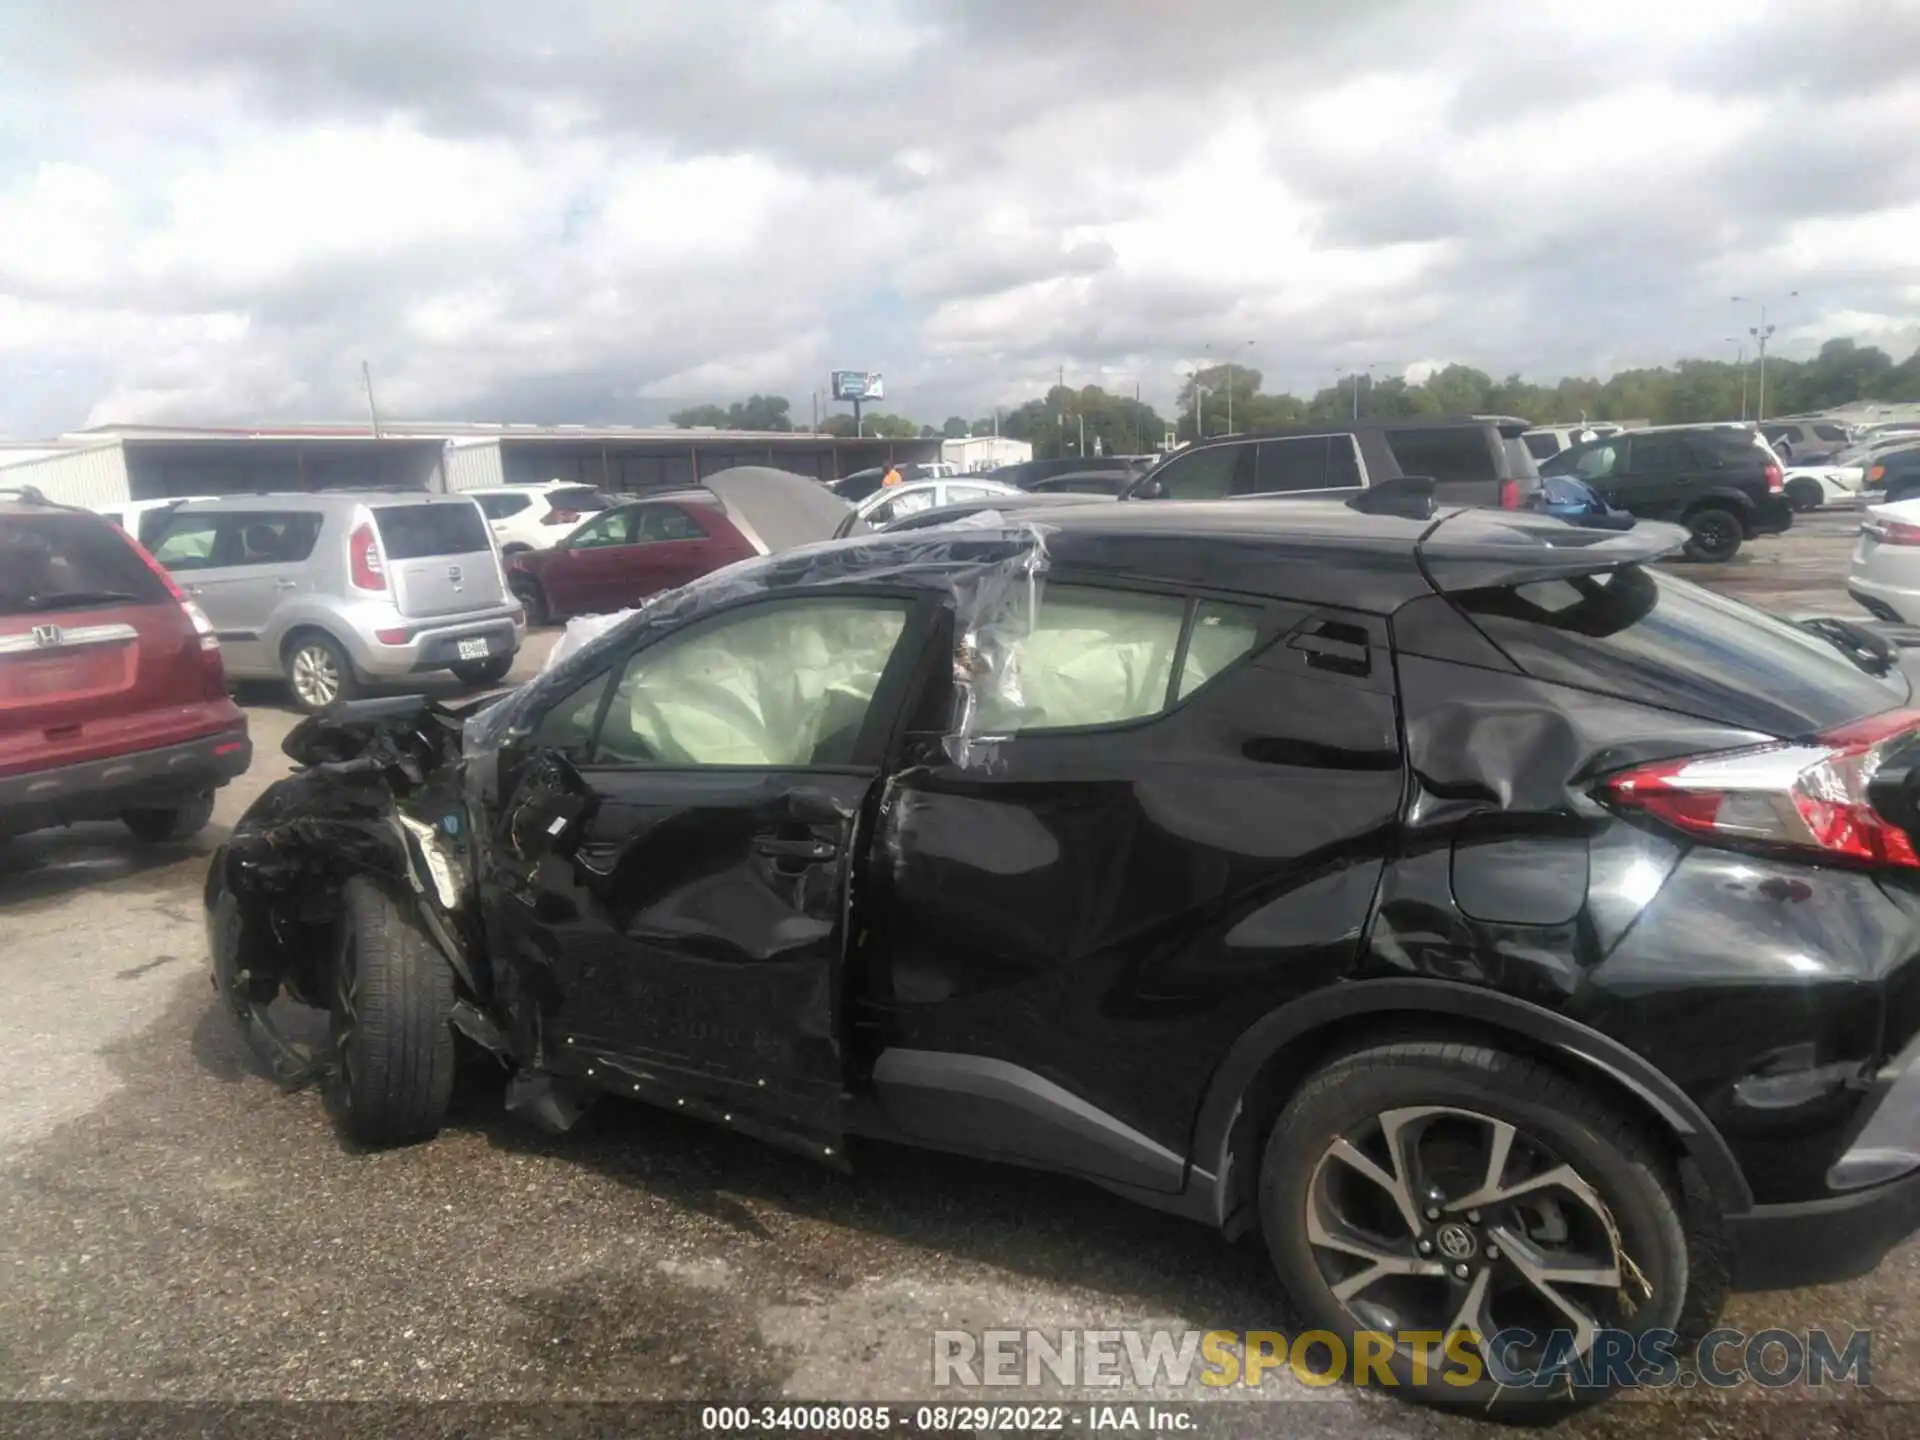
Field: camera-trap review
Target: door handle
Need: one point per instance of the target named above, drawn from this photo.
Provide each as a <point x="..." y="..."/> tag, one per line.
<point x="286" y="584"/>
<point x="810" y="851"/>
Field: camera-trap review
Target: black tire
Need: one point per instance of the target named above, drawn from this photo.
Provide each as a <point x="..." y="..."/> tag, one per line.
<point x="1557" y="1122"/>
<point x="318" y="672"/>
<point x="157" y="825"/>
<point x="393" y="1048"/>
<point x="1714" y="535"/>
<point x="1804" y="495"/>
<point x="533" y="600"/>
<point x="477" y="674"/>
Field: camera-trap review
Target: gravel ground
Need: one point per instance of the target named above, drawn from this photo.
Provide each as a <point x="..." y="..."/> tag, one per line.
<point x="173" y="1228"/>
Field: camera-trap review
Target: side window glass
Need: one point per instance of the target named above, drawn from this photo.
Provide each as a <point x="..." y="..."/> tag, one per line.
<point x="1596" y="463"/>
<point x="567" y="727"/>
<point x="188" y="542"/>
<point x="1221" y="635"/>
<point x="1091" y="657"/>
<point x="1343" y="462"/>
<point x="782" y="685"/>
<point x="1282" y="465"/>
<point x="667" y="522"/>
<point x="1204" y="475"/>
<point x="611" y="529"/>
<point x="277" y="539"/>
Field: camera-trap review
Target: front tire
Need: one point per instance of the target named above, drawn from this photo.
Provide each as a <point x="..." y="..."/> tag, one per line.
<point x="1445" y="1186"/>
<point x="318" y="672"/>
<point x="1714" y="535"/>
<point x="156" y="826"/>
<point x="393" y="1050"/>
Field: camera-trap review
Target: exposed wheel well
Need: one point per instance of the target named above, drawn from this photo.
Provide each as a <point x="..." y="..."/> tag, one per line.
<point x="1267" y="1094"/>
<point x="517" y="547"/>
<point x="299" y="632"/>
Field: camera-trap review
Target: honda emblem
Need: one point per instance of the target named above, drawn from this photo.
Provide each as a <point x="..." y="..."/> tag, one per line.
<point x="46" y="636"/>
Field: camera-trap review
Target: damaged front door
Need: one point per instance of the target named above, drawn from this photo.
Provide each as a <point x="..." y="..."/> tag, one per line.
<point x="681" y="879"/>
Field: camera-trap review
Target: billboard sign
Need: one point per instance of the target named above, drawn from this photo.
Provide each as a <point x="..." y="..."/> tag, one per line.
<point x="858" y="385"/>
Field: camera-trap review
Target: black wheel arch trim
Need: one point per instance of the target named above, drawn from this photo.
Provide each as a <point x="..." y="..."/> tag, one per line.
<point x="1720" y="498"/>
<point x="1213" y="1140"/>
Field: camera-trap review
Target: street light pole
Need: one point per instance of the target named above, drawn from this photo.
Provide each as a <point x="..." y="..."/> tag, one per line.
<point x="1761" y="334"/>
<point x="1740" y="363"/>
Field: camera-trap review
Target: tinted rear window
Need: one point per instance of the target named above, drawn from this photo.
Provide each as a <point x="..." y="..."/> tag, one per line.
<point x="1541" y="446"/>
<point x="70" y="562"/>
<point x="1830" y="432"/>
<point x="1647" y="636"/>
<point x="408" y="532"/>
<point x="1450" y="454"/>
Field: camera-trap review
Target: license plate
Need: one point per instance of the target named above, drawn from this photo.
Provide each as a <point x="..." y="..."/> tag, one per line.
<point x="473" y="649"/>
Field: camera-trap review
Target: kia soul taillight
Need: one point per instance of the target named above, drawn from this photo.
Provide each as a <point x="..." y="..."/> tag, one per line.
<point x="1805" y="798"/>
<point x="364" y="565"/>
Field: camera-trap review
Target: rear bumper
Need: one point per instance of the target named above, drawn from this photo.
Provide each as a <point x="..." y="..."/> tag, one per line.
<point x="435" y="644"/>
<point x="102" y="789"/>
<point x="1900" y="603"/>
<point x="1780" y="1247"/>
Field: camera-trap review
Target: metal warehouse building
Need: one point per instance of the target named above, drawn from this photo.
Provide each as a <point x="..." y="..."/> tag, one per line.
<point x="116" y="463"/>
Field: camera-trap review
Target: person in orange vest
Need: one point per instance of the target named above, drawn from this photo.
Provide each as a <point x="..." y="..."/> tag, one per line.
<point x="892" y="477"/>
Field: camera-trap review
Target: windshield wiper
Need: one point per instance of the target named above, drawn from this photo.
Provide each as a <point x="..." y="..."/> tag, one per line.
<point x="1873" y="653"/>
<point x="68" y="599"/>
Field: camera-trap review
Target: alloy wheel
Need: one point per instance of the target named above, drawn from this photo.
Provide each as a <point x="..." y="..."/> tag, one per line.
<point x="316" y="676"/>
<point x="1441" y="1219"/>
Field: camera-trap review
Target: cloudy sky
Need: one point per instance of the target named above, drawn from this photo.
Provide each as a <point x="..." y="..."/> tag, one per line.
<point x="213" y="211"/>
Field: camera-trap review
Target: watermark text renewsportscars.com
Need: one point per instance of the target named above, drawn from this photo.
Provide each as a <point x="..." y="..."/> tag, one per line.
<point x="1163" y="1360"/>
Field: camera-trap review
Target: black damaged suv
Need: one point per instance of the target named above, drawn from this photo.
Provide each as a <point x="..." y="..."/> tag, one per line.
<point x="1522" y="940"/>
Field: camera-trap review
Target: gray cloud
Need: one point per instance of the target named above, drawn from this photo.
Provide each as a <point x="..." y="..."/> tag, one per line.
<point x="216" y="208"/>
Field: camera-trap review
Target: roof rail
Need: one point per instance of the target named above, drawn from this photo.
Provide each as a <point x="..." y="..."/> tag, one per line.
<point x="1409" y="496"/>
<point x="31" y="495"/>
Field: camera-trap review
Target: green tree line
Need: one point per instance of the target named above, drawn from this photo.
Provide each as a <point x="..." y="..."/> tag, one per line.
<point x="1067" y="419"/>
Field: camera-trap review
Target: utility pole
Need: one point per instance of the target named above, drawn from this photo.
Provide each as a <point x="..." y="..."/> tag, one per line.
<point x="1082" y="418"/>
<point x="373" y="415"/>
<point x="816" y="412"/>
<point x="1740" y="363"/>
<point x="1761" y="334"/>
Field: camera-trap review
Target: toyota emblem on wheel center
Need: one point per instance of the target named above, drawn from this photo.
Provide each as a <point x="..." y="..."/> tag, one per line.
<point x="1456" y="1242"/>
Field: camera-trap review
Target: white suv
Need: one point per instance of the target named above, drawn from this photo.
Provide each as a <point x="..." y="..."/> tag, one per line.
<point x="536" y="517"/>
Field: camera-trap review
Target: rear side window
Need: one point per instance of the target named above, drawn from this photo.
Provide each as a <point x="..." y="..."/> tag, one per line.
<point x="499" y="507"/>
<point x="1646" y="636"/>
<point x="411" y="532"/>
<point x="1452" y="453"/>
<point x="1829" y="432"/>
<point x="67" y="562"/>
<point x="1541" y="447"/>
<point x="1102" y="657"/>
<point x="1656" y="454"/>
<point x="668" y="522"/>
<point x="268" y="537"/>
<point x="1282" y="465"/>
<point x="579" y="497"/>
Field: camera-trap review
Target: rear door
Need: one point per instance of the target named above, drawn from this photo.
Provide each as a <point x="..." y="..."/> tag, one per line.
<point x="440" y="557"/>
<point x="257" y="561"/>
<point x="675" y="850"/>
<point x="1659" y="472"/>
<point x="587" y="571"/>
<point x="96" y="658"/>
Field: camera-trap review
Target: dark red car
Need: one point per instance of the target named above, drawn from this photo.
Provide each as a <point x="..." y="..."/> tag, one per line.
<point x="627" y="553"/>
<point x="113" y="699"/>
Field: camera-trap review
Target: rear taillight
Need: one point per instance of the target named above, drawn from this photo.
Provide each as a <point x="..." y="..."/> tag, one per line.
<point x="1775" y="479"/>
<point x="364" y="565"/>
<point x="1890" y="532"/>
<point x="1875" y="474"/>
<point x="561" y="517"/>
<point x="1510" y="498"/>
<point x="1809" y="799"/>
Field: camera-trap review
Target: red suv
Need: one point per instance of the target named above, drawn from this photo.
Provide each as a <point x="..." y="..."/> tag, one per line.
<point x="113" y="700"/>
<point x="625" y="554"/>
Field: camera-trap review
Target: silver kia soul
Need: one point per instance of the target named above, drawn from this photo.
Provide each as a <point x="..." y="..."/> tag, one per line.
<point x="333" y="589"/>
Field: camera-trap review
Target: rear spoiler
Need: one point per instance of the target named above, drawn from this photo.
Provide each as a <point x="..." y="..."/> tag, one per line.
<point x="1480" y="549"/>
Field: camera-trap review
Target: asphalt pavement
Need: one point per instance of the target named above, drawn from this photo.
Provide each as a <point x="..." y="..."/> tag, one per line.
<point x="173" y="1227"/>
